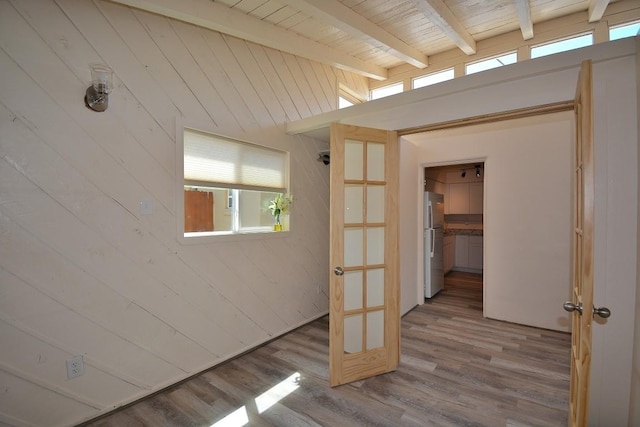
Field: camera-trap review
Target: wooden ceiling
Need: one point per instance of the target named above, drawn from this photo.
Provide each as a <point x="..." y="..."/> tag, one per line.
<point x="370" y="37"/>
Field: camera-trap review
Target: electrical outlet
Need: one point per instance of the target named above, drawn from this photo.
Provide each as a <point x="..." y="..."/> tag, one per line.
<point x="75" y="367"/>
<point x="146" y="206"/>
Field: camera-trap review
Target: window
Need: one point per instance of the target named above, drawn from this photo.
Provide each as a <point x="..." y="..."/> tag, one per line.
<point x="227" y="185"/>
<point x="433" y="78"/>
<point x="381" y="92"/>
<point x="562" y="45"/>
<point x="625" y="30"/>
<point x="495" y="62"/>
<point x="344" y="102"/>
<point x="348" y="97"/>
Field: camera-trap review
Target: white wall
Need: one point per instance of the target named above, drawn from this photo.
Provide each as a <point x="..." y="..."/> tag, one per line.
<point x="82" y="272"/>
<point x="634" y="410"/>
<point x="527" y="232"/>
<point x="615" y="246"/>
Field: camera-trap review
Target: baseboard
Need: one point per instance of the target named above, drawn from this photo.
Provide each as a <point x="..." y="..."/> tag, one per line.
<point x="467" y="270"/>
<point x="199" y="371"/>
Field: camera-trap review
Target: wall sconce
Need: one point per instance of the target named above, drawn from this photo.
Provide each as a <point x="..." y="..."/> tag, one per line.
<point x="97" y="95"/>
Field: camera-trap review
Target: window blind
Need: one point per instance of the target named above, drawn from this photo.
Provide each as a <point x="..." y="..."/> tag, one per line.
<point x="215" y="161"/>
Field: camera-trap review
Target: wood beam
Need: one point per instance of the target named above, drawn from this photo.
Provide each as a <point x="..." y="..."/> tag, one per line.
<point x="221" y="18"/>
<point x="340" y="16"/>
<point x="524" y="16"/>
<point x="442" y="17"/>
<point x="596" y="9"/>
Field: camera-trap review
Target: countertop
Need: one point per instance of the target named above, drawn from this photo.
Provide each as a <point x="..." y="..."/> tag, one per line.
<point x="462" y="231"/>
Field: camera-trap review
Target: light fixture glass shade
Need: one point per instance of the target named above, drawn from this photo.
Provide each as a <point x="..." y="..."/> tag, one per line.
<point x="97" y="95"/>
<point x="101" y="78"/>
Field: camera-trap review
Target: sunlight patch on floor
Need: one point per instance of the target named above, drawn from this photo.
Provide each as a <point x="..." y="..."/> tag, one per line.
<point x="266" y="400"/>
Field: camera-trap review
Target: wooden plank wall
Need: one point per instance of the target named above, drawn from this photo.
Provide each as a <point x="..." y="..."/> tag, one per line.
<point x="82" y="272"/>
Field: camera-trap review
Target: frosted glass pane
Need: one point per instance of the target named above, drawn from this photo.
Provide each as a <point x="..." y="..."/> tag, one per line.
<point x="375" y="162"/>
<point x="353" y="159"/>
<point x="375" y="287"/>
<point x="352" y="290"/>
<point x="353" y="333"/>
<point x="353" y="203"/>
<point x="353" y="253"/>
<point x="375" y="203"/>
<point x="375" y="245"/>
<point x="375" y="329"/>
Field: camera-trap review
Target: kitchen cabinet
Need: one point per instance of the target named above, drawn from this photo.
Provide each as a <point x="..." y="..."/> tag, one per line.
<point x="464" y="198"/>
<point x="462" y="251"/>
<point x="476" y="197"/>
<point x="459" y="198"/>
<point x="468" y="253"/>
<point x="475" y="252"/>
<point x="449" y="252"/>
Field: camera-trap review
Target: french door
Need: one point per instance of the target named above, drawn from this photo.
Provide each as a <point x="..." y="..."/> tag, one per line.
<point x="583" y="222"/>
<point x="364" y="314"/>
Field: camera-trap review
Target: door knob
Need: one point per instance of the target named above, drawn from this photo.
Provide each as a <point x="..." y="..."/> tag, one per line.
<point x="603" y="312"/>
<point x="338" y="271"/>
<point x="569" y="306"/>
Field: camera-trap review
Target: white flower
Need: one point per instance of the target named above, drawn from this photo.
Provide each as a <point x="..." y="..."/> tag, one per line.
<point x="281" y="204"/>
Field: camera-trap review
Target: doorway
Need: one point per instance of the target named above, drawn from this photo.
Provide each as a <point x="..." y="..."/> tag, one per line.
<point x="527" y="210"/>
<point x="461" y="248"/>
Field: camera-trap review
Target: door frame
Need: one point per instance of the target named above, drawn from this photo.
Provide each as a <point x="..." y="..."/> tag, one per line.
<point x="420" y="247"/>
<point x="493" y="118"/>
<point x="544" y="109"/>
<point x="583" y="125"/>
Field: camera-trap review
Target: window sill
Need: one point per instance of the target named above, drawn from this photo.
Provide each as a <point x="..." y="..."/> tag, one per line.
<point x="229" y="236"/>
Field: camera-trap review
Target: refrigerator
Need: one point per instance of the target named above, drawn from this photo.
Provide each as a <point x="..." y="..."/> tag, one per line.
<point x="433" y="243"/>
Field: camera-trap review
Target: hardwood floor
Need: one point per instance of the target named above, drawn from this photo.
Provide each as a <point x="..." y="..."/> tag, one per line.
<point x="457" y="369"/>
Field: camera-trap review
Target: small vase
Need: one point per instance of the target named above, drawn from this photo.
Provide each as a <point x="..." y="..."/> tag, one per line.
<point x="277" y="226"/>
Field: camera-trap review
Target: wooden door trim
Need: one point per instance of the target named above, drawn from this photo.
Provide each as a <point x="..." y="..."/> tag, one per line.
<point x="336" y="251"/>
<point x="392" y="243"/>
<point x="583" y="242"/>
